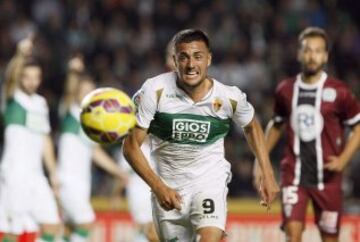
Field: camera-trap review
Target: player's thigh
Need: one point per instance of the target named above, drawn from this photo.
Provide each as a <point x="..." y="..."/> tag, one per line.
<point x="75" y="202"/>
<point x="139" y="199"/>
<point x="43" y="205"/>
<point x="294" y="201"/>
<point x="209" y="207"/>
<point x="15" y="215"/>
<point x="209" y="234"/>
<point x="328" y="210"/>
<point x="172" y="225"/>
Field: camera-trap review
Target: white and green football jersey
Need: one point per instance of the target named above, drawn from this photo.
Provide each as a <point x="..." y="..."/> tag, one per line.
<point x="26" y="122"/>
<point x="75" y="150"/>
<point x="188" y="136"/>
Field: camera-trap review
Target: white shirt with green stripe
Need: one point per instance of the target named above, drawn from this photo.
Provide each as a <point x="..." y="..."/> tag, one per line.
<point x="75" y="150"/>
<point x="26" y="122"/>
<point x="188" y="136"/>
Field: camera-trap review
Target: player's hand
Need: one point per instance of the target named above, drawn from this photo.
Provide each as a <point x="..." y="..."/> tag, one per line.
<point x="268" y="190"/>
<point x="167" y="197"/>
<point x="257" y="177"/>
<point x="335" y="164"/>
<point x="76" y="64"/>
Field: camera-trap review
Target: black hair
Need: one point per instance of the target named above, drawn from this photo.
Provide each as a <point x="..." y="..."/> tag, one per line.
<point x="190" y="35"/>
<point x="31" y="62"/>
<point x="314" y="32"/>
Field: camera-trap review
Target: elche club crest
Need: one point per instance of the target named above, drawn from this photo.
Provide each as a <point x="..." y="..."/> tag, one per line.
<point x="217" y="104"/>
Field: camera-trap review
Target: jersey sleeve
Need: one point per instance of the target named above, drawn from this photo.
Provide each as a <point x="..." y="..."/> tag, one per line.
<point x="243" y="110"/>
<point x="349" y="107"/>
<point x="145" y="100"/>
<point x="279" y="106"/>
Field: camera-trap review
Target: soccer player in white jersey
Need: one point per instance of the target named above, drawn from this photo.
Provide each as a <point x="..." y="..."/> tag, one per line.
<point x="75" y="155"/>
<point x="188" y="115"/>
<point x="26" y="198"/>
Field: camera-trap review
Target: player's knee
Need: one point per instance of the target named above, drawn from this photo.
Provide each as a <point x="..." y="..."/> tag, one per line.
<point x="51" y="229"/>
<point x="294" y="231"/>
<point x="209" y="234"/>
<point x="329" y="238"/>
<point x="293" y="236"/>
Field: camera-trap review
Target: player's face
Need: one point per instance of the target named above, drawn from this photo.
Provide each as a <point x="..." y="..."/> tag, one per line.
<point x="191" y="62"/>
<point x="85" y="87"/>
<point x="30" y="79"/>
<point x="313" y="55"/>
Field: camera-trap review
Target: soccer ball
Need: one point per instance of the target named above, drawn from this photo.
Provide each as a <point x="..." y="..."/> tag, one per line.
<point x="107" y="115"/>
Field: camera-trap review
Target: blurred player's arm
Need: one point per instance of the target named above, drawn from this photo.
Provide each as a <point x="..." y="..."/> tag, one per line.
<point x="168" y="198"/>
<point x="13" y="69"/>
<point x="50" y="162"/>
<point x="256" y="140"/>
<point x="338" y="163"/>
<point x="104" y="161"/>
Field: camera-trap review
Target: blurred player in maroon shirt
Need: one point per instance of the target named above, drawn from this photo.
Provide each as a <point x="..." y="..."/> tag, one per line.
<point x="314" y="109"/>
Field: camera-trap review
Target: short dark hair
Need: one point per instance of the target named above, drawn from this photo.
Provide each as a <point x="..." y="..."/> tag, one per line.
<point x="314" y="32"/>
<point x="31" y="62"/>
<point x="190" y="35"/>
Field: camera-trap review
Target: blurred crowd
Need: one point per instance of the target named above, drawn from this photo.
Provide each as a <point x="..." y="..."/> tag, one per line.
<point x="124" y="42"/>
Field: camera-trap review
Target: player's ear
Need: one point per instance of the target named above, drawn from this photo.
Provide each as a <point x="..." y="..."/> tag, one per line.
<point x="174" y="60"/>
<point x="209" y="59"/>
<point x="326" y="58"/>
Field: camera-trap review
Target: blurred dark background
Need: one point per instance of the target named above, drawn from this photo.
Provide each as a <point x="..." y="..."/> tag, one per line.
<point x="124" y="41"/>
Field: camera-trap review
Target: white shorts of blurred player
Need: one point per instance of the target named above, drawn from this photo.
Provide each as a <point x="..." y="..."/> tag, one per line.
<point x="138" y="195"/>
<point x="25" y="203"/>
<point x="75" y="203"/>
<point x="203" y="205"/>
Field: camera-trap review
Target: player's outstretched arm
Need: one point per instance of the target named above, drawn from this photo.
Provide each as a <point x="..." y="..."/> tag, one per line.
<point x="338" y="163"/>
<point x="13" y="69"/>
<point x="168" y="198"/>
<point x="256" y="140"/>
<point x="104" y="161"/>
<point x="50" y="163"/>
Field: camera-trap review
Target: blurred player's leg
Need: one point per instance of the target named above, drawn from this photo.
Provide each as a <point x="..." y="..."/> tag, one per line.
<point x="45" y="210"/>
<point x="329" y="238"/>
<point x="81" y="233"/>
<point x="10" y="238"/>
<point x="294" y="231"/>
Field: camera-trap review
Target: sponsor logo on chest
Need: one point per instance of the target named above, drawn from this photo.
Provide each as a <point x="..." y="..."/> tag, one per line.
<point x="190" y="130"/>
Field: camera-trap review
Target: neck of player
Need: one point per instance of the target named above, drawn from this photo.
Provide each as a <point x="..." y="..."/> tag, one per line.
<point x="311" y="79"/>
<point x="197" y="92"/>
